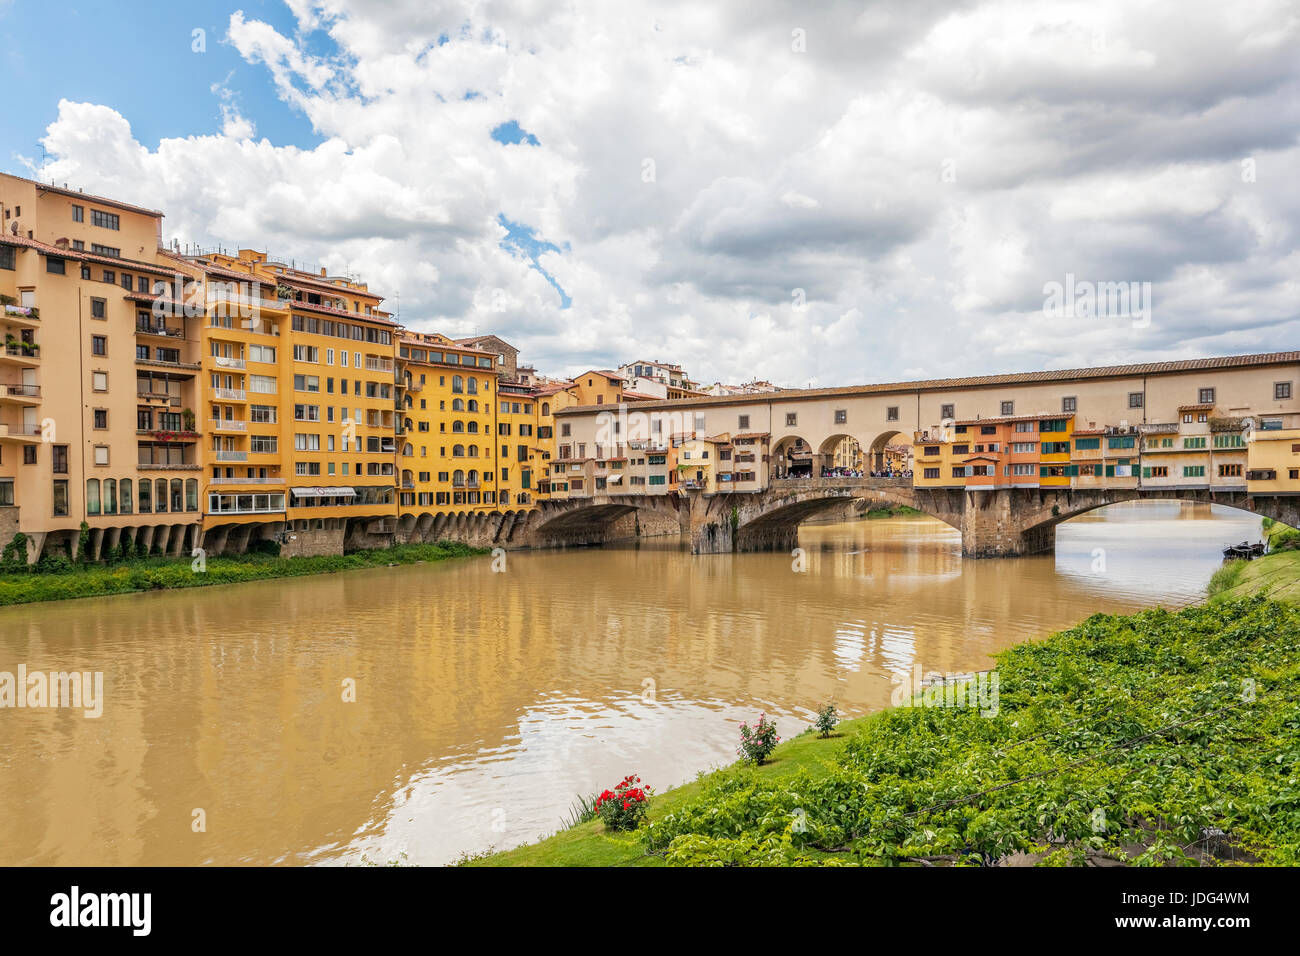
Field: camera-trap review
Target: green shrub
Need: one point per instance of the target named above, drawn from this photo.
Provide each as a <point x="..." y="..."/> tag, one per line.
<point x="624" y="807"/>
<point x="826" y="720"/>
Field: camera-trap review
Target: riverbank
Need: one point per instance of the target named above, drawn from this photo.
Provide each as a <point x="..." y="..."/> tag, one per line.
<point x="1099" y="750"/>
<point x="152" y="574"/>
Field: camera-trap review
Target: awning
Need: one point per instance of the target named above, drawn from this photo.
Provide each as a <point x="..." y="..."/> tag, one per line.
<point x="339" y="492"/>
<point x="614" y="479"/>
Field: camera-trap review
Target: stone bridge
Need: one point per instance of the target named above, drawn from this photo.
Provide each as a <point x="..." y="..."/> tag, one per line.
<point x="993" y="522"/>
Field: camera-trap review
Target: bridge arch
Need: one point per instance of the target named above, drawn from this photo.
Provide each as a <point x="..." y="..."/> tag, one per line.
<point x="876" y="453"/>
<point x="792" y="456"/>
<point x="840" y="450"/>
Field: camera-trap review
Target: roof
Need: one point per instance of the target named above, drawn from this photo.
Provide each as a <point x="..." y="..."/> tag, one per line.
<point x="985" y="381"/>
<point x="81" y="255"/>
<point x="1198" y="407"/>
<point x="90" y="197"/>
<point x="1008" y="419"/>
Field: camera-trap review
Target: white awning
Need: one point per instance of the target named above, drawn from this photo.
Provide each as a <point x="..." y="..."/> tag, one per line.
<point x="615" y="479"/>
<point x="340" y="492"/>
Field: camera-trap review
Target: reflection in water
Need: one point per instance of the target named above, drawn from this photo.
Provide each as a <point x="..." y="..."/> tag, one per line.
<point x="486" y="702"/>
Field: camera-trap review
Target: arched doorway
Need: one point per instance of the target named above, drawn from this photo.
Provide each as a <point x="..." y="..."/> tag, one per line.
<point x="840" y="454"/>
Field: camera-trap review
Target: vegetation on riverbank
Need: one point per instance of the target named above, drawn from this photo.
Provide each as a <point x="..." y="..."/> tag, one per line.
<point x="65" y="580"/>
<point x="1276" y="574"/>
<point x="892" y="511"/>
<point x="1158" y="738"/>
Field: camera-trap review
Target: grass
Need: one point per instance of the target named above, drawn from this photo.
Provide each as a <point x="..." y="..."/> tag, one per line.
<point x="159" y="573"/>
<point x="1277" y="575"/>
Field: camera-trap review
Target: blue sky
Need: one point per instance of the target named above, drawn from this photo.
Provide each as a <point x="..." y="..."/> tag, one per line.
<point x="145" y="69"/>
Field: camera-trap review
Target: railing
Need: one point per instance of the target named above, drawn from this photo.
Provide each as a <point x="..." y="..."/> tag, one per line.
<point x="23" y="351"/>
<point x="22" y="311"/>
<point x="379" y="365"/>
<point x="227" y="425"/>
<point x="147" y="329"/>
<point x="32" y="430"/>
<point x="230" y="394"/>
<point x="22" y="391"/>
<point x="246" y="481"/>
<point x="221" y="361"/>
<point x="231" y="456"/>
<point x="408" y="485"/>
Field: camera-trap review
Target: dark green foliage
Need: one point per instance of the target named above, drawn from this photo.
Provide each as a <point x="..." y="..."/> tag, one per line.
<point x="1127" y="737"/>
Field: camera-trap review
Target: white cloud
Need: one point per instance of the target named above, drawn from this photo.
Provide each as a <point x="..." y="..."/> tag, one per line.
<point x="919" y="169"/>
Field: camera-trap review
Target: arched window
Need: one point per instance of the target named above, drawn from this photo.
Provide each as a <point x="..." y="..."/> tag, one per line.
<point x="146" y="496"/>
<point x="457" y="384"/>
<point x="458" y="426"/>
<point x="546" y="409"/>
<point x="458" y="404"/>
<point x="160" y="495"/>
<point x="472" y="428"/>
<point x="473" y="475"/>
<point x="408" y="476"/>
<point x="178" y="495"/>
<point x="124" y="489"/>
<point x="191" y="494"/>
<point x="458" y="477"/>
<point x="92" y="496"/>
<point x="408" y="450"/>
<point x="110" y="496"/>
<point x="473" y="451"/>
<point x="472" y="386"/>
<point x="473" y="405"/>
<point x="457" y="451"/>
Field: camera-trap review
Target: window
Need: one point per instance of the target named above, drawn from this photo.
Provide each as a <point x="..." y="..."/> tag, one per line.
<point x="841" y="416"/>
<point x="29" y="454"/>
<point x="60" y="496"/>
<point x="101" y="418"/>
<point x="1193" y="471"/>
<point x="1205" y="396"/>
<point x="56" y="266"/>
<point x="110" y="277"/>
<point x="99" y="381"/>
<point x="1008" y="408"/>
<point x="1134" y="399"/>
<point x="791" y="419"/>
<point x="946" y="411"/>
<point x="932" y="473"/>
<point x="1281" y="390"/>
<point x="101" y="454"/>
<point x="99" y="308"/>
<point x="99" y="345"/>
<point x="1230" y="471"/>
<point x="105" y="220"/>
<point x="7" y="257"/>
<point x="6" y="491"/>
<point x="1069" y="404"/>
<point x="78" y="213"/>
<point x="743" y="420"/>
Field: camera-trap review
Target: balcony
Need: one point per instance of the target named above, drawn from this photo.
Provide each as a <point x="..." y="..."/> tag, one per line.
<point x="26" y="434"/>
<point x="167" y="363"/>
<point x="164" y="397"/>
<point x="246" y="481"/>
<point x="21" y="394"/>
<point x="228" y="425"/>
<point x="25" y="316"/>
<point x="413" y="385"/>
<point x="22" y="354"/>
<point x="379" y="365"/>
<point x="144" y="328"/>
<point x="230" y="394"/>
<point x="230" y="456"/>
<point x="220" y="361"/>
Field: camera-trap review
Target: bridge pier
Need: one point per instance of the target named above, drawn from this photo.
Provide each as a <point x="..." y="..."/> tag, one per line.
<point x="992" y="526"/>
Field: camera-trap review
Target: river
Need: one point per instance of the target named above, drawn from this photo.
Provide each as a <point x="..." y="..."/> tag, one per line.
<point x="486" y="701"/>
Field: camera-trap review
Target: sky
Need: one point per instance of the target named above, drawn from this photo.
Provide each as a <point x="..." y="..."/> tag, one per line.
<point x="814" y="195"/>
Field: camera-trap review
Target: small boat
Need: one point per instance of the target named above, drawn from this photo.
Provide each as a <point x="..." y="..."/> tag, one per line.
<point x="1244" y="551"/>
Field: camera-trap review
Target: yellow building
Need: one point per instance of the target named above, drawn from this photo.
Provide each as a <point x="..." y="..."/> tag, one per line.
<point x="1054" y="436"/>
<point x="1273" y="456"/>
<point x="935" y="465"/>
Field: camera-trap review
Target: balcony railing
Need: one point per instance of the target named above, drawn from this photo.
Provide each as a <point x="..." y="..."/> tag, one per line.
<point x="230" y="456"/>
<point x="21" y="311"/>
<point x="21" y="391"/>
<point x="23" y="350"/>
<point x="144" y="328"/>
<point x="379" y="365"/>
<point x="230" y="394"/>
<point x="221" y="361"/>
<point x="20" y="429"/>
<point x="228" y="425"/>
<point x="246" y="481"/>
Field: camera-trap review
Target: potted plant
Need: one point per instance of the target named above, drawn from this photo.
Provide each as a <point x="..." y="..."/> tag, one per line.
<point x="187" y="417"/>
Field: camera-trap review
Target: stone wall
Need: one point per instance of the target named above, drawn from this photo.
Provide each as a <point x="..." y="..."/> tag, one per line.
<point x="314" y="543"/>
